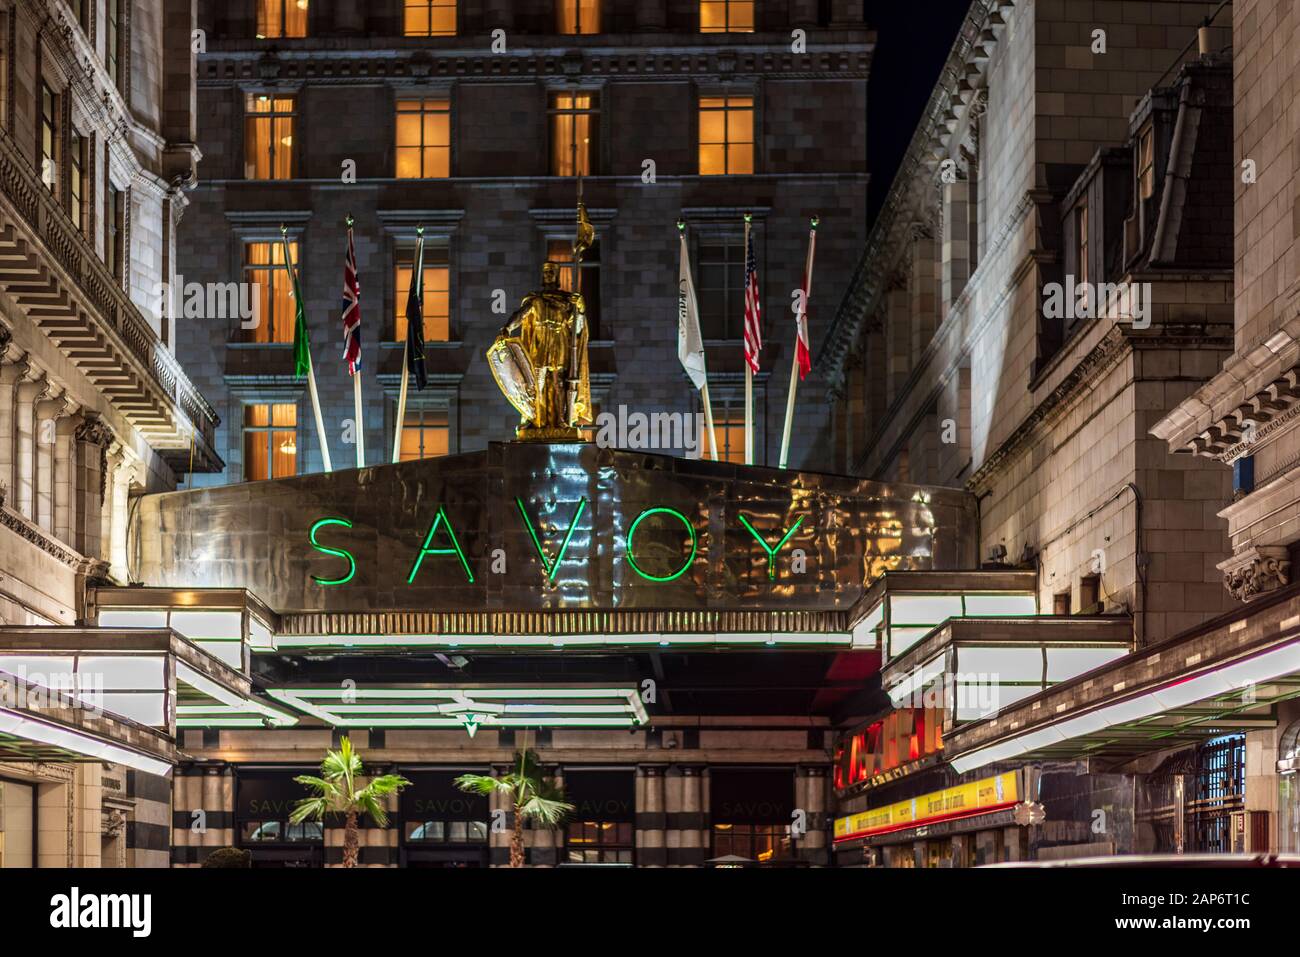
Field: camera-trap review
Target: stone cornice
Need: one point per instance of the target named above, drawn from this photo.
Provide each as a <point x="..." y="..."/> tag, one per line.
<point x="938" y="134"/>
<point x="351" y="64"/>
<point x="46" y="543"/>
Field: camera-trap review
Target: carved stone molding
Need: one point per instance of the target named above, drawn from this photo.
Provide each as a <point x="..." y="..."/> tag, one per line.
<point x="1255" y="571"/>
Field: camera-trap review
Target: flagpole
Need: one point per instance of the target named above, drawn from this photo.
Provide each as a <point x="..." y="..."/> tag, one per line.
<point x="356" y="388"/>
<point x="689" y="295"/>
<point x="311" y="372"/>
<point x="749" y="373"/>
<point x="800" y="325"/>
<point x="406" y="352"/>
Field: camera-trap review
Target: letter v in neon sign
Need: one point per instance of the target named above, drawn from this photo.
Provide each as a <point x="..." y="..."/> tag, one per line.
<point x="771" y="552"/>
<point x="551" y="566"/>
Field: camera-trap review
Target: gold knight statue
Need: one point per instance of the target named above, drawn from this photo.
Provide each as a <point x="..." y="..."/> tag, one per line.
<point x="539" y="360"/>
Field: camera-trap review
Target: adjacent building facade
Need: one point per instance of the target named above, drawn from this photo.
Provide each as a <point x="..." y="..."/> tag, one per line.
<point x="1051" y="275"/>
<point x="474" y="121"/>
<point x="97" y="148"/>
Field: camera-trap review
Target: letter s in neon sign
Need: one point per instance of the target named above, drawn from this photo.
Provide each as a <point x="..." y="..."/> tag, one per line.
<point x="340" y="552"/>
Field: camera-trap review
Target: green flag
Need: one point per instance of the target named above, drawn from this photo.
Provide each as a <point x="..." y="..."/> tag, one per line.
<point x="301" y="346"/>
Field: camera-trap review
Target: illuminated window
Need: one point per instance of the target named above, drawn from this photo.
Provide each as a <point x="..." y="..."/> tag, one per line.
<point x="426" y="434"/>
<point x="561" y="251"/>
<point x="1146" y="163"/>
<point x="575" y="133"/>
<point x="113" y="40"/>
<point x="264" y="270"/>
<point x="268" y="137"/>
<point x="729" y="427"/>
<point x="727" y="16"/>
<point x="423" y="139"/>
<point x="49" y="138"/>
<point x="577" y="16"/>
<point x="78" y="180"/>
<point x="430" y="18"/>
<point x="281" y="18"/>
<point x="720" y="269"/>
<point x="763" y="843"/>
<point x="437" y="292"/>
<point x="270" y="441"/>
<point x="598" y="842"/>
<point x="726" y="135"/>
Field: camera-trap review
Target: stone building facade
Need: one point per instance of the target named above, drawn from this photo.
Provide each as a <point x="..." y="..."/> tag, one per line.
<point x="1244" y="417"/>
<point x="96" y="152"/>
<point x="513" y="98"/>
<point x="1051" y="274"/>
<point x="950" y="361"/>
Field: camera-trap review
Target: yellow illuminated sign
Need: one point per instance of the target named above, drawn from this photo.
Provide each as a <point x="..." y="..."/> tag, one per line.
<point x="987" y="794"/>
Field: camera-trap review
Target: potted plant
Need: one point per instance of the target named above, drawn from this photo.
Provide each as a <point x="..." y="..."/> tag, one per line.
<point x="533" y="795"/>
<point x="337" y="793"/>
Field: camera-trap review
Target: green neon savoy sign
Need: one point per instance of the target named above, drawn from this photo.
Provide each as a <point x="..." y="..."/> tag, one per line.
<point x="441" y="541"/>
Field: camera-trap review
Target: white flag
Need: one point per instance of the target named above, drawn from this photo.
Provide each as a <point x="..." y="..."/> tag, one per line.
<point x="690" y="344"/>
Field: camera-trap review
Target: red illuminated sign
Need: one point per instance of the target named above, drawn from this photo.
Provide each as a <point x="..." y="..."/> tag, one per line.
<point x="888" y="745"/>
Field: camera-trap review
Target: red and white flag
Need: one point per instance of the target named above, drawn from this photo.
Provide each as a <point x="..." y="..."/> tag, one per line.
<point x="753" y="309"/>
<point x="351" y="310"/>
<point x="802" y="349"/>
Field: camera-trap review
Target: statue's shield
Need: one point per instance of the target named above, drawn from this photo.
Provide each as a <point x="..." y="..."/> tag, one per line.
<point x="514" y="374"/>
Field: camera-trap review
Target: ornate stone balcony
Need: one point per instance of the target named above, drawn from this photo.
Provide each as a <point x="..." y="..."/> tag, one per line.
<point x="52" y="272"/>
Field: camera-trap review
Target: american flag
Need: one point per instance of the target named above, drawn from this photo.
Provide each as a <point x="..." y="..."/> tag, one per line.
<point x="351" y="310"/>
<point x="753" y="310"/>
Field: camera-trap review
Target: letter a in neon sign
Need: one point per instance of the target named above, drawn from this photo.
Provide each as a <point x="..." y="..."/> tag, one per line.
<point x="551" y="566"/>
<point x="771" y="552"/>
<point x="428" y="540"/>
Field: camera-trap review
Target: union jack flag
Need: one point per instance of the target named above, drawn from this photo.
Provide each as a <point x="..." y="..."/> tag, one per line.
<point x="753" y="310"/>
<point x="351" y="310"/>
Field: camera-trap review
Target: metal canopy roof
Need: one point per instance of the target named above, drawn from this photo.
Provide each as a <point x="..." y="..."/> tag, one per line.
<point x="1221" y="677"/>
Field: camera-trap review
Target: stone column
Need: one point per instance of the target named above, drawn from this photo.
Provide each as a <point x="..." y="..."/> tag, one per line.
<point x="30" y="391"/>
<point x="803" y="13"/>
<point x="956" y="241"/>
<point x="810" y="793"/>
<point x="500" y="14"/>
<point x="48" y="412"/>
<point x="113" y="463"/>
<point x="120" y="504"/>
<point x="924" y="287"/>
<point x="650" y="817"/>
<point x="898" y="341"/>
<point x="684" y="799"/>
<point x="90" y="443"/>
<point x="651" y="15"/>
<point x="65" y="479"/>
<point x="12" y="371"/>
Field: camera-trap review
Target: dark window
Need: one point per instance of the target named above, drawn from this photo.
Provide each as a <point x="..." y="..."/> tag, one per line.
<point x="113" y="40"/>
<point x="1061" y="603"/>
<point x="77" y="180"/>
<point x="598" y="842"/>
<point x="721" y="289"/>
<point x="114" y="223"/>
<point x="1220" y="790"/>
<point x="1090" y="595"/>
<point x="49" y="138"/>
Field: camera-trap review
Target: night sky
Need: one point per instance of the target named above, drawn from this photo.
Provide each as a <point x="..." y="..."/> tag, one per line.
<point x="913" y="40"/>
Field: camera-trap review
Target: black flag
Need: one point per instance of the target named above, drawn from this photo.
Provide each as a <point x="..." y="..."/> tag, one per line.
<point x="415" y="322"/>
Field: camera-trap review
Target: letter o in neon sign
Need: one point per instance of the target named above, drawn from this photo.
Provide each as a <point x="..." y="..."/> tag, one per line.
<point x="631" y="532"/>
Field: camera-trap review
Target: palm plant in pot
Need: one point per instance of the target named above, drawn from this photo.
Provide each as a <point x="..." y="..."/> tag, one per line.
<point x="336" y="792"/>
<point x="533" y="796"/>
